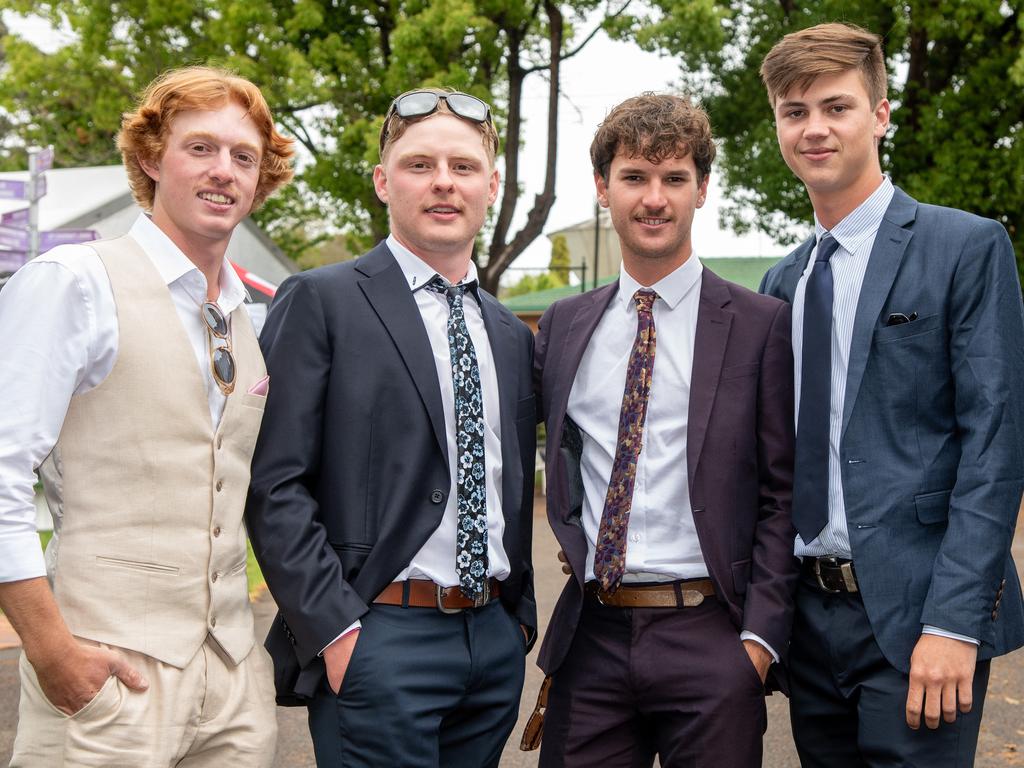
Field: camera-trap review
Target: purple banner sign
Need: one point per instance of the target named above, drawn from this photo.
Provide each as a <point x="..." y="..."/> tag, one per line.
<point x="18" y="218"/>
<point x="55" y="237"/>
<point x="14" y="238"/>
<point x="10" y="189"/>
<point x="44" y="160"/>
<point x="11" y="261"/>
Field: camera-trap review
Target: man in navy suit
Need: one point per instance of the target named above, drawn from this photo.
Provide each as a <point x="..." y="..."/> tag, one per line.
<point x="667" y="397"/>
<point x="908" y="339"/>
<point x="392" y="484"/>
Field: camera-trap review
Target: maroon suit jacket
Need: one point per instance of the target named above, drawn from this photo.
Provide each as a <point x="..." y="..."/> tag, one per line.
<point x="739" y="453"/>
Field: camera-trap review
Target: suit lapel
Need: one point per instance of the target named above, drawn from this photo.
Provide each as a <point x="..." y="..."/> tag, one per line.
<point x="883" y="264"/>
<point x="794" y="268"/>
<point x="568" y="348"/>
<point x="713" y="324"/>
<point x="387" y="290"/>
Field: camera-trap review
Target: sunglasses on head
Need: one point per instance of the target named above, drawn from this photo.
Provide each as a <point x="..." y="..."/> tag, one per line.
<point x="222" y="362"/>
<point x="423" y="103"/>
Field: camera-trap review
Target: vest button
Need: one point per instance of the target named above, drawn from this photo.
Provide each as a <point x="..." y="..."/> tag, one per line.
<point x="220" y="485"/>
<point x="437" y="496"/>
<point x="213" y="621"/>
<point x="216" y="532"/>
<point x="214" y="577"/>
<point x="220" y="441"/>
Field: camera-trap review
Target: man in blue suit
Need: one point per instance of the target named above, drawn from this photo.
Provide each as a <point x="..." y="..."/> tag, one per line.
<point x="908" y="341"/>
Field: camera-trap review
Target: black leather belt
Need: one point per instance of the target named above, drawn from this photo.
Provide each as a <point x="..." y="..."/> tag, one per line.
<point x="831" y="574"/>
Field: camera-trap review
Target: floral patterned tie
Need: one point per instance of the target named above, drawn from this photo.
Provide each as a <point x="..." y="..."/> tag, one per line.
<point x="610" y="557"/>
<point x="471" y="527"/>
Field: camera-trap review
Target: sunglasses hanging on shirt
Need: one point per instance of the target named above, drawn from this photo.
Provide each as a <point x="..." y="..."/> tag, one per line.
<point x="222" y="362"/>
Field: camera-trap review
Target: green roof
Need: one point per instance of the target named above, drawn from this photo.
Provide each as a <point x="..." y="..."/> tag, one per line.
<point x="746" y="271"/>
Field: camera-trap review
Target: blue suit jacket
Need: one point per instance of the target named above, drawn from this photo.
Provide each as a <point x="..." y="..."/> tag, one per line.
<point x="932" y="442"/>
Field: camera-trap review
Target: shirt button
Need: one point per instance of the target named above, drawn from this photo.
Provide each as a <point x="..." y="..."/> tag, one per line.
<point x="220" y="485"/>
<point x="216" y="532"/>
<point x="437" y="496"/>
<point x="636" y="537"/>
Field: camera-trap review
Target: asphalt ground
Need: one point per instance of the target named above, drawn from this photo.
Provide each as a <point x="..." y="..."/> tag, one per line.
<point x="1002" y="733"/>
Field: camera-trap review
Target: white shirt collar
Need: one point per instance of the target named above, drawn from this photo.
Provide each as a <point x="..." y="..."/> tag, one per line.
<point x="417" y="272"/>
<point x="671" y="289"/>
<point x="863" y="221"/>
<point x="175" y="267"/>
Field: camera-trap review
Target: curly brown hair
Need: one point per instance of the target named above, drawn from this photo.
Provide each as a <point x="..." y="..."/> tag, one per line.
<point x="655" y="127"/>
<point x="800" y="58"/>
<point x="144" y="132"/>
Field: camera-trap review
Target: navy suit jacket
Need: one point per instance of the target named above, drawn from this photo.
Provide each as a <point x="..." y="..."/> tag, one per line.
<point x="739" y="454"/>
<point x="350" y="475"/>
<point x="932" y="441"/>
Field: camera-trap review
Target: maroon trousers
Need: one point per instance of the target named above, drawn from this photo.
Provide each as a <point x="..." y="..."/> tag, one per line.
<point x="676" y="683"/>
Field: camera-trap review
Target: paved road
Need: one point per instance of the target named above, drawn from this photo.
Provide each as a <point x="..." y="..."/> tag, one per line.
<point x="1001" y="743"/>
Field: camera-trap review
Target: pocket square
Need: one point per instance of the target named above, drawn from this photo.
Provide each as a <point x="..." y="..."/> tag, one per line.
<point x="261" y="387"/>
<point x="898" y="318"/>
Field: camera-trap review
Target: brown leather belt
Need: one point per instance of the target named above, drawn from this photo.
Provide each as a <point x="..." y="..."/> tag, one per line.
<point x="831" y="574"/>
<point x="427" y="594"/>
<point x="674" y="594"/>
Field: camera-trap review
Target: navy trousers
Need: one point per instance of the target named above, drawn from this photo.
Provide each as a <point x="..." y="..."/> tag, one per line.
<point x="640" y="682"/>
<point x="848" y="703"/>
<point x="424" y="689"/>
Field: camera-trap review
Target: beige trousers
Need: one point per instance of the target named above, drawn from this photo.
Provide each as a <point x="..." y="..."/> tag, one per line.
<point x="210" y="713"/>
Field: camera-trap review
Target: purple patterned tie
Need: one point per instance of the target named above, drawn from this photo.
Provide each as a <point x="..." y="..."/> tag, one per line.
<point x="610" y="558"/>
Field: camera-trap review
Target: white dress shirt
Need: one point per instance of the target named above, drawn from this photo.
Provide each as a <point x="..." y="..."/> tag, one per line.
<point x="856" y="237"/>
<point x="436" y="559"/>
<point x="58" y="338"/>
<point x="661" y="537"/>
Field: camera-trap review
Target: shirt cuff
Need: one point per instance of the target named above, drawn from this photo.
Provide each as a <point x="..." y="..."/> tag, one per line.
<point x="928" y="629"/>
<point x="357" y="624"/>
<point x="745" y="635"/>
<point x="21" y="557"/>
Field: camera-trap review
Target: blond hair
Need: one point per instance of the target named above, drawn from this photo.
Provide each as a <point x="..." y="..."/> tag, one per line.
<point x="394" y="125"/>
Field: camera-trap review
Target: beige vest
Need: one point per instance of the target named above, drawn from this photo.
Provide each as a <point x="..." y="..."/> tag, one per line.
<point x="152" y="545"/>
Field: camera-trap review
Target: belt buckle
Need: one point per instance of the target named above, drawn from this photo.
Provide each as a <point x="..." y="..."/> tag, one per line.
<point x="439" y="596"/>
<point x="817" y="573"/>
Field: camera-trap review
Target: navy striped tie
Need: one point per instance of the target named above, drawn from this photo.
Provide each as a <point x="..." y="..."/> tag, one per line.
<point x="810" y="477"/>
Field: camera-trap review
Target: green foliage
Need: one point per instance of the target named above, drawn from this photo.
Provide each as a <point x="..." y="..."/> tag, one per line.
<point x="956" y="73"/>
<point x="329" y="72"/>
<point x="556" y="276"/>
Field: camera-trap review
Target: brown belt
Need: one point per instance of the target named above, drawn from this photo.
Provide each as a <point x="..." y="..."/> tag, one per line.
<point x="675" y="594"/>
<point x="427" y="594"/>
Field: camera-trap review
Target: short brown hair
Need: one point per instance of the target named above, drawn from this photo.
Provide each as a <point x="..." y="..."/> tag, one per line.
<point x="800" y="58"/>
<point x="394" y="125"/>
<point x="655" y="127"/>
<point x="144" y="132"/>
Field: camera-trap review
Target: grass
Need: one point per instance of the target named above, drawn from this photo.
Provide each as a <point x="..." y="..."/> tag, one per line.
<point x="252" y="568"/>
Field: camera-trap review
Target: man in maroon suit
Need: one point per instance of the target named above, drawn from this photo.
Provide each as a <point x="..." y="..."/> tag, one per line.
<point x="668" y="402"/>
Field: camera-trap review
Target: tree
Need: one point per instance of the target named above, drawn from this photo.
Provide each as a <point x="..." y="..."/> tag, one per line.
<point x="328" y="71"/>
<point x="956" y="71"/>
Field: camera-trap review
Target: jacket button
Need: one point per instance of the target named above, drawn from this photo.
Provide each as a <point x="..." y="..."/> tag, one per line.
<point x="216" y="532"/>
<point x="220" y="485"/>
<point x="215" y="577"/>
<point x="437" y="496"/>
